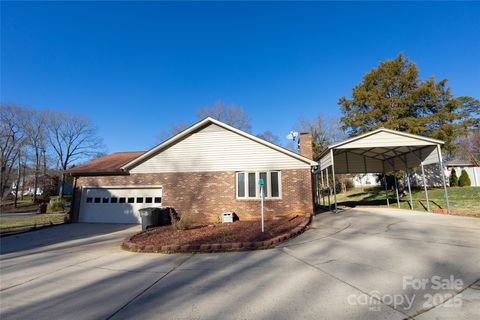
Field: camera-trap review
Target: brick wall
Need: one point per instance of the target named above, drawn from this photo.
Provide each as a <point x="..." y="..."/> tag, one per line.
<point x="207" y="194"/>
<point x="305" y="147"/>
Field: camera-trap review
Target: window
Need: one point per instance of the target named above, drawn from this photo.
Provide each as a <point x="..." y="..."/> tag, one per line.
<point x="241" y="185"/>
<point x="121" y="200"/>
<point x="89" y="199"/>
<point x="139" y="200"/>
<point x="105" y="200"/>
<point x="148" y="200"/>
<point x="113" y="200"/>
<point x="158" y="200"/>
<point x="247" y="184"/>
<point x="97" y="200"/>
<point x="274" y="192"/>
<point x="131" y="200"/>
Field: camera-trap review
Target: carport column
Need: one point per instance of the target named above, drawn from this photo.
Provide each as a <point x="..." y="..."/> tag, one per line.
<point x="409" y="189"/>
<point x="385" y="182"/>
<point x="328" y="186"/>
<point x="442" y="173"/>
<point x="396" y="187"/>
<point x="333" y="180"/>
<point x="323" y="188"/>
<point x="425" y="186"/>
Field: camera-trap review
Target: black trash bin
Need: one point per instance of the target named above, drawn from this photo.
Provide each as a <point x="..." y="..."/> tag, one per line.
<point x="149" y="217"/>
<point x="165" y="215"/>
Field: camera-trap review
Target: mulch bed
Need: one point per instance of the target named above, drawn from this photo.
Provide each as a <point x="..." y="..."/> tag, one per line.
<point x="239" y="235"/>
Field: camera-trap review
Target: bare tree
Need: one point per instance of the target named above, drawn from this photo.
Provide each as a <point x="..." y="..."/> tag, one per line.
<point x="232" y="115"/>
<point x="324" y="131"/>
<point x="469" y="147"/>
<point x="36" y="135"/>
<point x="269" y="136"/>
<point x="171" y="131"/>
<point x="12" y="137"/>
<point x="73" y="138"/>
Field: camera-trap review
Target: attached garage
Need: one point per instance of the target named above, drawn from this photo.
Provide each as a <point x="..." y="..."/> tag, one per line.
<point x="117" y="204"/>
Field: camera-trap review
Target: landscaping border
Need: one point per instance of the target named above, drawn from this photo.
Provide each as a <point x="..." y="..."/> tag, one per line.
<point x="129" y="245"/>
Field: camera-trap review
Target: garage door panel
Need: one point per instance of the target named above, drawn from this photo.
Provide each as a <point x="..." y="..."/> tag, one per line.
<point x="117" y="205"/>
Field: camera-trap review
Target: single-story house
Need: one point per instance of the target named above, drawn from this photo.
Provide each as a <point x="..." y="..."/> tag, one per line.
<point x="205" y="170"/>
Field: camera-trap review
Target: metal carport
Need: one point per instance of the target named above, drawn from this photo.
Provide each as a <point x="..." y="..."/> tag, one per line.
<point x="379" y="151"/>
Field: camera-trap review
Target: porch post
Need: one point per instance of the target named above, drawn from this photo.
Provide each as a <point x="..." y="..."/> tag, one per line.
<point x="333" y="180"/>
<point x="442" y="173"/>
<point x="425" y="186"/>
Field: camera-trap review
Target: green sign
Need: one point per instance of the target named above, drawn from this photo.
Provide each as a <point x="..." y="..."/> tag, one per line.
<point x="260" y="182"/>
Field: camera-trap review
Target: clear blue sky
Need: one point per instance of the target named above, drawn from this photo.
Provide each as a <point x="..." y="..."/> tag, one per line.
<point x="135" y="68"/>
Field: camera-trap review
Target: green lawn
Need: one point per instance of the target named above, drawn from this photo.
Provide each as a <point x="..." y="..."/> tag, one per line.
<point x="31" y="221"/>
<point x="463" y="201"/>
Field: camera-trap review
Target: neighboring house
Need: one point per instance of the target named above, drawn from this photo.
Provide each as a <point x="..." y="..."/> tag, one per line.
<point x="366" y="179"/>
<point x="205" y="170"/>
<point x="472" y="170"/>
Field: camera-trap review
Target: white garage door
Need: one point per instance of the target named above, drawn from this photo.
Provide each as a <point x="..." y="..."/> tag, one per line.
<point x="117" y="205"/>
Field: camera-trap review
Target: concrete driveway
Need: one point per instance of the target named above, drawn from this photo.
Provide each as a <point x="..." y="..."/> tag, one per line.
<point x="367" y="264"/>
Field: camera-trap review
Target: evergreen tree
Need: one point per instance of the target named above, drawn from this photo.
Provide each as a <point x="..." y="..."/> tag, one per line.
<point x="453" y="178"/>
<point x="393" y="96"/>
<point x="464" y="180"/>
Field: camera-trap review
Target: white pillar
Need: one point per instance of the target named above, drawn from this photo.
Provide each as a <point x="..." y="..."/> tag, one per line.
<point x="333" y="180"/>
<point x="396" y="187"/>
<point x="442" y="173"/>
<point x="323" y="188"/>
<point x="409" y="189"/>
<point x="425" y="186"/>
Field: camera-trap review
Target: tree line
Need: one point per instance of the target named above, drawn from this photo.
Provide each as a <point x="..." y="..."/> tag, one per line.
<point x="40" y="141"/>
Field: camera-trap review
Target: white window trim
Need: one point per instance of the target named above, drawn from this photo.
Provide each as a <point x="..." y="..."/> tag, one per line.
<point x="268" y="195"/>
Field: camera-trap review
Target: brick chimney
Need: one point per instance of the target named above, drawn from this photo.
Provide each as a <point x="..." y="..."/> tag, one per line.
<point x="305" y="145"/>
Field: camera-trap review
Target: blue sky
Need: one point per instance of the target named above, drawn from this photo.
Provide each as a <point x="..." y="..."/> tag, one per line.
<point x="135" y="68"/>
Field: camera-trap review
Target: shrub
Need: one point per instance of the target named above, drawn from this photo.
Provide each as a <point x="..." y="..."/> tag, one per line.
<point x="453" y="178"/>
<point x="56" y="204"/>
<point x="184" y="223"/>
<point x="464" y="180"/>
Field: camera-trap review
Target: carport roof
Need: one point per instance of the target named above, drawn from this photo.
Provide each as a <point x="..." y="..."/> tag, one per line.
<point x="109" y="164"/>
<point x="380" y="150"/>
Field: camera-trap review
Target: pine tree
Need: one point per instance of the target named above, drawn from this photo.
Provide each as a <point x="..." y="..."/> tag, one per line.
<point x="453" y="178"/>
<point x="464" y="180"/>
<point x="393" y="96"/>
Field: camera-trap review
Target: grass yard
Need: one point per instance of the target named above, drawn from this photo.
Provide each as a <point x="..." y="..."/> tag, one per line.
<point x="10" y="225"/>
<point x="463" y="201"/>
<point x="24" y="205"/>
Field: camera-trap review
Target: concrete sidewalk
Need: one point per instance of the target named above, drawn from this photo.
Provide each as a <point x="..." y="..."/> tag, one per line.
<point x="355" y="264"/>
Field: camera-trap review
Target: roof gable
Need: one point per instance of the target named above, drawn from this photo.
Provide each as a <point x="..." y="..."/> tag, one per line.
<point x="385" y="138"/>
<point x="211" y="126"/>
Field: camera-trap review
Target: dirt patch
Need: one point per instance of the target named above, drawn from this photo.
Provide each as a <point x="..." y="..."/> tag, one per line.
<point x="239" y="235"/>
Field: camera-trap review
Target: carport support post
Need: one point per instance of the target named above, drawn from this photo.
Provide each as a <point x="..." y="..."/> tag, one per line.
<point x="409" y="189"/>
<point x="385" y="182"/>
<point x="328" y="186"/>
<point x="442" y="173"/>
<point x="425" y="186"/>
<point x="323" y="188"/>
<point x="333" y="181"/>
<point x="396" y="187"/>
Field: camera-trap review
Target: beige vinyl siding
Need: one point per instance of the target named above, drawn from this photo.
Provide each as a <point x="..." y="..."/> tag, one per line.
<point x="217" y="149"/>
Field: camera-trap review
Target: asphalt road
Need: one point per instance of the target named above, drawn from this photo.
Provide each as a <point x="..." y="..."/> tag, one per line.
<point x="358" y="264"/>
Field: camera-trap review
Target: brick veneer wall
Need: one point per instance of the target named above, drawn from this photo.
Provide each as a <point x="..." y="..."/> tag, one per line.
<point x="207" y="194"/>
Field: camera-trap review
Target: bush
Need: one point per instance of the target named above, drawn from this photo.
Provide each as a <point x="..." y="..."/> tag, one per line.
<point x="184" y="223"/>
<point x="56" y="204"/>
<point x="464" y="180"/>
<point x="453" y="178"/>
